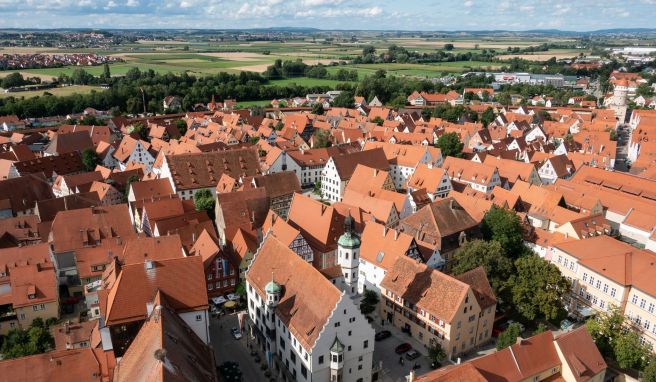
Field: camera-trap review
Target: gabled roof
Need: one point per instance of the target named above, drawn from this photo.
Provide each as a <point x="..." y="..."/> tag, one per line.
<point x="203" y="170"/>
<point x="305" y="311"/>
<point x="57" y="366"/>
<point x="166" y="349"/>
<point x="137" y="285"/>
<point x="143" y="248"/>
<point x="319" y="223"/>
<point x="71" y="142"/>
<point x="615" y="260"/>
<point x="428" y="289"/>
<point x="526" y="358"/>
<point x="58" y="164"/>
<point x="23" y="192"/>
<point x="381" y="246"/>
<point x="581" y="354"/>
<point x="74" y="229"/>
<point x="477" y="279"/>
<point x="438" y="220"/>
<point x="147" y="189"/>
<point x="346" y="163"/>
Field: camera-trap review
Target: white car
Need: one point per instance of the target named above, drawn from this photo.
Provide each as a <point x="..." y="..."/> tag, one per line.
<point x="236" y="333"/>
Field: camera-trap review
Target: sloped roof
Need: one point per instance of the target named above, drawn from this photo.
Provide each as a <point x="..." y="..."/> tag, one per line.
<point x="166" y="349"/>
<point x="381" y="246"/>
<point x="477" y="279"/>
<point x="346" y="163"/>
<point x="23" y="192"/>
<point x="136" y="285"/>
<point x="581" y="354"/>
<point x="203" y="170"/>
<point x="303" y="310"/>
<point x="67" y="143"/>
<point x="427" y="288"/>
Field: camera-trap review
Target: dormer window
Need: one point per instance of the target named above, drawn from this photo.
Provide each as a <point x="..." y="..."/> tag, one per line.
<point x="31" y="296"/>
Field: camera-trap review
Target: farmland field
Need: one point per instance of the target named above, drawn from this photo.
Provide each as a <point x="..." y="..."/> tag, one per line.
<point x="63" y="91"/>
<point x="212" y="56"/>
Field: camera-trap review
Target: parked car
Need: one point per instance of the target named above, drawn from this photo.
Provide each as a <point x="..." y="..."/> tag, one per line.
<point x="404" y="347"/>
<point x="382" y="335"/>
<point x="566" y="324"/>
<point x="412" y="354"/>
<point x="236" y="333"/>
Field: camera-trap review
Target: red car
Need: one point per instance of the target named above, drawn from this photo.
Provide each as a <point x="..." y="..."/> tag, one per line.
<point x="404" y="347"/>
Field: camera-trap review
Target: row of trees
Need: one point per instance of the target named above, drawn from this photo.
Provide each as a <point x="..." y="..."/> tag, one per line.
<point x="125" y="93"/>
<point x="297" y="68"/>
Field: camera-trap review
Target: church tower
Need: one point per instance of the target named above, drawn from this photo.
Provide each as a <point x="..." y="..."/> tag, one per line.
<point x="348" y="255"/>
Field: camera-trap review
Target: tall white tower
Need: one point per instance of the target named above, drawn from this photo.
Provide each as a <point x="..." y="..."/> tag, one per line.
<point x="348" y="256"/>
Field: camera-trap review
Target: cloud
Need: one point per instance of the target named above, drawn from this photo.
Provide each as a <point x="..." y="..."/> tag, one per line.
<point x="330" y="14"/>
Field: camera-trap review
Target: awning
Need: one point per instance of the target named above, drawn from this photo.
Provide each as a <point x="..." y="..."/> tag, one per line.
<point x="219" y="300"/>
<point x="586" y="311"/>
<point x="230" y="305"/>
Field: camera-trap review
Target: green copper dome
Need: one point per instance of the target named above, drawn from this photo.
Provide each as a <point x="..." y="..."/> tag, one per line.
<point x="337" y="346"/>
<point x="349" y="240"/>
<point x="273" y="288"/>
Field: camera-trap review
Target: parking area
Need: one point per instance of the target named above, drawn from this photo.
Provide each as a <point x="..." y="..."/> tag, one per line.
<point x="384" y="350"/>
<point x="227" y="348"/>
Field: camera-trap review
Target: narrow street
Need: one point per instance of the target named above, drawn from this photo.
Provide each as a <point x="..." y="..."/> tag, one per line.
<point x="623" y="139"/>
<point x="227" y="348"/>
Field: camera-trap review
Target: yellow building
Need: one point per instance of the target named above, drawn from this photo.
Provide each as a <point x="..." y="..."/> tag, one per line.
<point x="456" y="313"/>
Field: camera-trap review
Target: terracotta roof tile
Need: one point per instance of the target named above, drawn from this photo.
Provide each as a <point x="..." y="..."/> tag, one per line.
<point x="136" y="285"/>
<point x="303" y="310"/>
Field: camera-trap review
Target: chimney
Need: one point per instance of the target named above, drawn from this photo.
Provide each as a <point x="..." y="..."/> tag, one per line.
<point x="396" y="234"/>
<point x="149" y="308"/>
<point x="193" y="237"/>
<point x="430" y="164"/>
<point x="67" y="327"/>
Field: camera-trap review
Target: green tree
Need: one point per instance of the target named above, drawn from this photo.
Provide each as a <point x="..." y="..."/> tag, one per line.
<point x="509" y="336"/>
<point x="12" y="80"/>
<point x="240" y="289"/>
<point x="140" y="129"/>
<point x="644" y="90"/>
<point x="540" y="329"/>
<point x="344" y="99"/>
<point x="488" y="116"/>
<point x="317" y="108"/>
<point x="448" y="46"/>
<point x="370" y="297"/>
<point x="106" y="75"/>
<point x="505" y="227"/>
<point x="504" y="98"/>
<point x="182" y="126"/>
<point x="450" y="145"/>
<point x="90" y="159"/>
<point x="649" y="374"/>
<point x="204" y="201"/>
<point x="488" y="254"/>
<point x="322" y="139"/>
<point x="20" y="343"/>
<point x="369" y="302"/>
<point x="629" y="352"/>
<point x="378" y="121"/>
<point x="538" y="288"/>
<point x="435" y="352"/>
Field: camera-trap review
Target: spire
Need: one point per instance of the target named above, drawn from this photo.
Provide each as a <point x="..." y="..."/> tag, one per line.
<point x="349" y="223"/>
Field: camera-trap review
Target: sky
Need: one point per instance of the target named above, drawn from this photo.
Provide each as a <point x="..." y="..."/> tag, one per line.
<point x="438" y="15"/>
